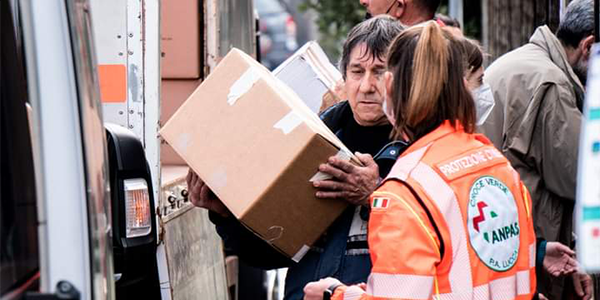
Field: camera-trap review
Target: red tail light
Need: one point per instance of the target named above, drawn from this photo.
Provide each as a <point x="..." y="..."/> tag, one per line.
<point x="290" y="26"/>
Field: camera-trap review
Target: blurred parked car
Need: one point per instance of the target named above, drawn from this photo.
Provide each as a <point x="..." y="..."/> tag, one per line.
<point x="277" y="32"/>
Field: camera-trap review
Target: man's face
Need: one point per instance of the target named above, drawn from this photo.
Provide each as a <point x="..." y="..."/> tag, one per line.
<point x="582" y="58"/>
<point x="377" y="7"/>
<point x="365" y="86"/>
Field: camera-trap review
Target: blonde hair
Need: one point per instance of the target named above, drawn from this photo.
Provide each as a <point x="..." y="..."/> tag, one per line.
<point x="428" y="65"/>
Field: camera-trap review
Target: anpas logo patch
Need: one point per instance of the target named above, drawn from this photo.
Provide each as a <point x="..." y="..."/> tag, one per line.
<point x="493" y="223"/>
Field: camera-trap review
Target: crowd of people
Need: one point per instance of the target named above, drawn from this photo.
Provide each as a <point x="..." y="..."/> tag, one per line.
<point x="477" y="201"/>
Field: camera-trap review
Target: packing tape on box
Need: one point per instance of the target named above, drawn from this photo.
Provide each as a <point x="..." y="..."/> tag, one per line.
<point x="218" y="178"/>
<point x="288" y="123"/>
<point x="300" y="254"/>
<point x="183" y="141"/>
<point x="242" y="86"/>
<point x="320" y="176"/>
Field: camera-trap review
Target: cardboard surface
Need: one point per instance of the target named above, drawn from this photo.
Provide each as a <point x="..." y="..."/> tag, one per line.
<point x="256" y="145"/>
<point x="173" y="94"/>
<point x="180" y="39"/>
<point x="310" y="74"/>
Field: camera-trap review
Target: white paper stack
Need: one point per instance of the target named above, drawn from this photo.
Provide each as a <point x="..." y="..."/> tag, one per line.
<point x="311" y="75"/>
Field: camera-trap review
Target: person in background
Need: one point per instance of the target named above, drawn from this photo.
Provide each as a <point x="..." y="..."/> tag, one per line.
<point x="539" y="92"/>
<point x="449" y="24"/>
<point x="553" y="258"/>
<point x="482" y="93"/>
<point x="408" y="12"/>
<point x="361" y="125"/>
<point x="452" y="219"/>
<point x="447" y="20"/>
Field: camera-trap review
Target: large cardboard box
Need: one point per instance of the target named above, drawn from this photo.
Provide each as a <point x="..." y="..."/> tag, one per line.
<point x="257" y="146"/>
<point x="181" y="42"/>
<point x="312" y="76"/>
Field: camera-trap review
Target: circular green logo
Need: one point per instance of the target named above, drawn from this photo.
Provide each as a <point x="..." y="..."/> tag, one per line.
<point x="493" y="223"/>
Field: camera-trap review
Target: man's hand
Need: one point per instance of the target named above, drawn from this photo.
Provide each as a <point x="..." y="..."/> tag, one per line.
<point x="201" y="196"/>
<point x="583" y="285"/>
<point x="349" y="182"/>
<point x="559" y="259"/>
<point x="314" y="290"/>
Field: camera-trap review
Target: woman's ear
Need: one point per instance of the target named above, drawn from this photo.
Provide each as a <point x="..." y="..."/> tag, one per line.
<point x="388" y="78"/>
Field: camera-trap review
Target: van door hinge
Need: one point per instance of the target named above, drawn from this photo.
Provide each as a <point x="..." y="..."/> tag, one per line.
<point x="64" y="291"/>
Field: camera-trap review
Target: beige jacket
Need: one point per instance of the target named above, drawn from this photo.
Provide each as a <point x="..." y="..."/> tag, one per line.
<point x="536" y="123"/>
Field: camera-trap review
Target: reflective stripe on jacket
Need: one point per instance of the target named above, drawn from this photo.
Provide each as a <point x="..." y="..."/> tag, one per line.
<point x="451" y="221"/>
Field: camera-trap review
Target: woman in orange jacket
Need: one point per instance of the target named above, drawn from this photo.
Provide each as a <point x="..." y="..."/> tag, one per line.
<point x="452" y="220"/>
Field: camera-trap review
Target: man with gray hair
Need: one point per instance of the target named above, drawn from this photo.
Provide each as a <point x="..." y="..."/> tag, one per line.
<point x="539" y="92"/>
<point x="362" y="126"/>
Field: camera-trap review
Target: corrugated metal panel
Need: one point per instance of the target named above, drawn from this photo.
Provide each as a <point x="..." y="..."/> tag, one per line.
<point x="194" y="256"/>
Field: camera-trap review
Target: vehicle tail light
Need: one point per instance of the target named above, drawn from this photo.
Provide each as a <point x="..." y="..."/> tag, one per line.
<point x="290" y="26"/>
<point x="137" y="208"/>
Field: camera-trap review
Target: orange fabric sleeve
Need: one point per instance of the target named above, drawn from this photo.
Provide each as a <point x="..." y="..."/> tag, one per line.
<point x="403" y="246"/>
<point x="401" y="233"/>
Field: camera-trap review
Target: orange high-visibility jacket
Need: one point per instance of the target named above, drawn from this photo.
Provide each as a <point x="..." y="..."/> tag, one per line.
<point x="451" y="221"/>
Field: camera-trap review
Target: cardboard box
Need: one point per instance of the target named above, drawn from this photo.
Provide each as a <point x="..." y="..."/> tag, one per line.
<point x="310" y="74"/>
<point x="257" y="146"/>
<point x="180" y="39"/>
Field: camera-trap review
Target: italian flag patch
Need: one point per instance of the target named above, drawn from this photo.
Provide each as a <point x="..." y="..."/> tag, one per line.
<point x="380" y="202"/>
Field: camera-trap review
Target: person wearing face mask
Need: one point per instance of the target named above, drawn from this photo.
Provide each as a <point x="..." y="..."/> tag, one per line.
<point x="553" y="258"/>
<point x="482" y="92"/>
<point x="408" y="12"/>
<point x="539" y="92"/>
<point x="452" y="220"/>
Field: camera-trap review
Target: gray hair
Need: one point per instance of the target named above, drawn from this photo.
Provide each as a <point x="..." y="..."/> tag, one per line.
<point x="577" y="23"/>
<point x="377" y="33"/>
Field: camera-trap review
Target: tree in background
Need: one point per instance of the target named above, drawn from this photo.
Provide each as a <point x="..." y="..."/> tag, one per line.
<point x="336" y="18"/>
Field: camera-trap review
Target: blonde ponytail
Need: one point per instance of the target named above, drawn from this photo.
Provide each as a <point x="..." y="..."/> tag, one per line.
<point x="428" y="89"/>
<point x="430" y="73"/>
